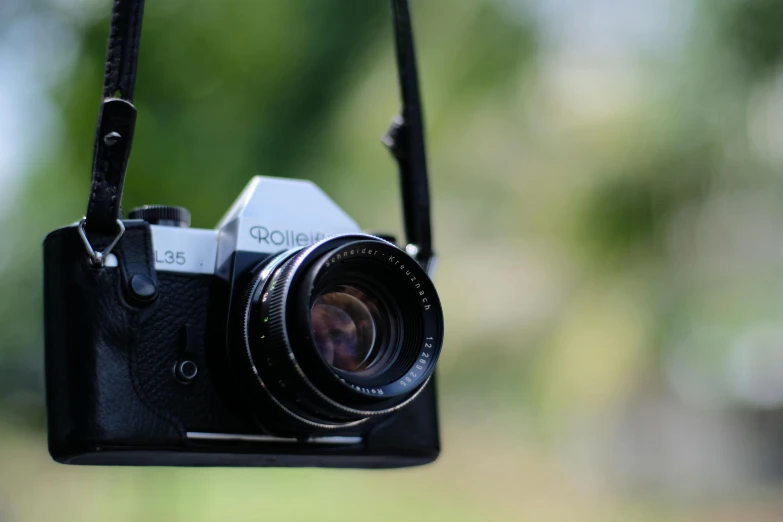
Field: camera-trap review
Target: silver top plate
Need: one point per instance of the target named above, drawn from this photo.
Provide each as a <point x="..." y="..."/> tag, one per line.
<point x="271" y="215"/>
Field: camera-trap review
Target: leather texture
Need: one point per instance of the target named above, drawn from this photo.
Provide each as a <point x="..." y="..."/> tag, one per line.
<point x="113" y="141"/>
<point x="179" y="330"/>
<point x="94" y="396"/>
<point x="405" y="139"/>
<point x="122" y="55"/>
<point x="137" y="258"/>
<point x="117" y="117"/>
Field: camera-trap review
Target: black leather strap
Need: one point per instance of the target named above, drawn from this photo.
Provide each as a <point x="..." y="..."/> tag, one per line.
<point x="116" y="119"/>
<point x="122" y="55"/>
<point x="405" y="139"/>
<point x="113" y="140"/>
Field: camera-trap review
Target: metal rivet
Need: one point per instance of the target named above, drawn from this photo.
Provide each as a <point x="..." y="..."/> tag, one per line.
<point x="186" y="370"/>
<point x="112" y="139"/>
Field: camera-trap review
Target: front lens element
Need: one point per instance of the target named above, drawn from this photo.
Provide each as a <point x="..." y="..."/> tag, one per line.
<point x="343" y="322"/>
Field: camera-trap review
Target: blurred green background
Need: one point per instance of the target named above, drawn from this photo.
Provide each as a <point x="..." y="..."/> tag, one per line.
<point x="608" y="203"/>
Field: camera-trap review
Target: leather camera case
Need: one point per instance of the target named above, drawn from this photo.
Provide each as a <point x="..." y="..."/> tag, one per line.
<point x="112" y="394"/>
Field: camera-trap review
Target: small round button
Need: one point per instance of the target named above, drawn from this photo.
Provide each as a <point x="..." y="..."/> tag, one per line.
<point x="162" y="215"/>
<point x="143" y="287"/>
<point x="186" y="370"/>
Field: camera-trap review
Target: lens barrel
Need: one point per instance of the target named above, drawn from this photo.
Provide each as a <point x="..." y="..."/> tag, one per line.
<point x="344" y="330"/>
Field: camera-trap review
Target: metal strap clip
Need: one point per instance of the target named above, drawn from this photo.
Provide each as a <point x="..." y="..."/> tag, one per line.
<point x="98" y="258"/>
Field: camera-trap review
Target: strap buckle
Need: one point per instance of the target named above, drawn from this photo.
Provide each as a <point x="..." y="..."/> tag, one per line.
<point x="98" y="258"/>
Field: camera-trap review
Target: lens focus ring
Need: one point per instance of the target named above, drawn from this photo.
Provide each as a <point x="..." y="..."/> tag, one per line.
<point x="298" y="386"/>
<point x="348" y="328"/>
<point x="262" y="360"/>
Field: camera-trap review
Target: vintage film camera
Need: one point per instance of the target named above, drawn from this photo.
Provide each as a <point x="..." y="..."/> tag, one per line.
<point x="284" y="337"/>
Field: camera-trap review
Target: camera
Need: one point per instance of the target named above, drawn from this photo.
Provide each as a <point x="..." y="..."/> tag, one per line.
<point x="285" y="337"/>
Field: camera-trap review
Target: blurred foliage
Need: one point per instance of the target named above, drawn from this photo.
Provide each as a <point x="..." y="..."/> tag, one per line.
<point x="606" y="216"/>
<point x="753" y="30"/>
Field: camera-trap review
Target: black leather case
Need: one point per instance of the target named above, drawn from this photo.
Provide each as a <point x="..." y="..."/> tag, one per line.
<point x="112" y="397"/>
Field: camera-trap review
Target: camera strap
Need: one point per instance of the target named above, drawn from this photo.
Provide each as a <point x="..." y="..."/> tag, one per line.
<point x="117" y="120"/>
<point x="405" y="139"/>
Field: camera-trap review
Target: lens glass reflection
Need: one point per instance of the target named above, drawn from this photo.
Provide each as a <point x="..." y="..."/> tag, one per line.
<point x="344" y="322"/>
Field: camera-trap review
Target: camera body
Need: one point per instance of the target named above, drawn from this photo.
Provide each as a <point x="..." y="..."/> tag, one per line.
<point x="244" y="345"/>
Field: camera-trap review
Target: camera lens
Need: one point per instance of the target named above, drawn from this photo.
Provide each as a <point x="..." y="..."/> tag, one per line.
<point x="346" y="329"/>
